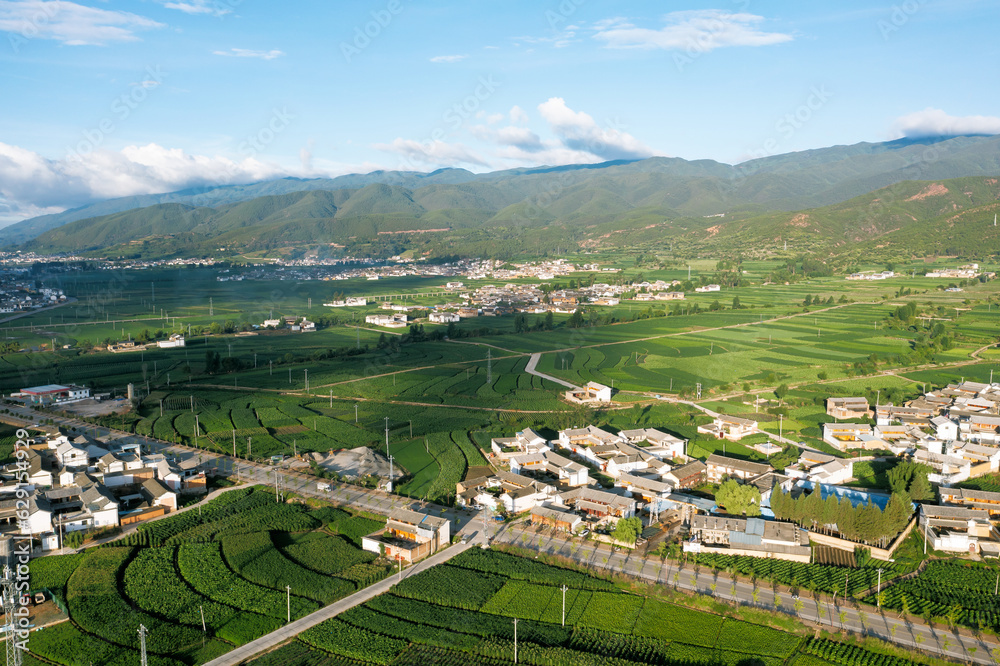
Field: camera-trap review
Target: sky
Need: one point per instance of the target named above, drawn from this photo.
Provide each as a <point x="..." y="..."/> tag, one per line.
<point x="103" y="98"/>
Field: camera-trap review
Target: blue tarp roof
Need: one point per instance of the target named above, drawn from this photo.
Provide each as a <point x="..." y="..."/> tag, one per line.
<point x="857" y="496"/>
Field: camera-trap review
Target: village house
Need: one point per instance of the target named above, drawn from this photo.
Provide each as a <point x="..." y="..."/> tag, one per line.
<point x="557" y="518"/>
<point x="959" y="529"/>
<point x="847" y="408"/>
<point x="597" y="503"/>
<point x="444" y="317"/>
<point x="687" y="476"/>
<point x="660" y="444"/>
<point x="845" y="436"/>
<point x="173" y="342"/>
<point x="821" y="468"/>
<point x="972" y="499"/>
<point x="565" y="471"/>
<point x="577" y="439"/>
<point x="524" y="441"/>
<point x="592" y="392"/>
<point x="732" y="428"/>
<point x="387" y="321"/>
<point x="55" y="393"/>
<point x="754" y="537"/>
<point x="409" y="536"/>
<point x="720" y="467"/>
<point x="945" y="429"/>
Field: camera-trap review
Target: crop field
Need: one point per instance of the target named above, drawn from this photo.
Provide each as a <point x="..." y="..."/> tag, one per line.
<point x="456" y="614"/>
<point x="961" y="592"/>
<point x="229" y="565"/>
<point x="789" y="350"/>
<point x="817" y="577"/>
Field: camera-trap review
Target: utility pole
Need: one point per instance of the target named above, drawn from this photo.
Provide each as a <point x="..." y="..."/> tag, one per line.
<point x="564" y="606"/>
<point x="203" y="629"/>
<point x="355" y="412"/>
<point x="489" y="367"/>
<point x="197" y="429"/>
<point x="307" y="380"/>
<point x="411" y="429"/>
<point x="142" y="644"/>
<point x="878" y="589"/>
<point x="331" y="398"/>
<point x="515" y="642"/>
<point x="387" y="435"/>
<point x="288" y="589"/>
<point x="389" y="485"/>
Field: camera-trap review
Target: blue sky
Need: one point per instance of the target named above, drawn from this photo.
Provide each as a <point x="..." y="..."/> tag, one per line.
<point x="106" y="98"/>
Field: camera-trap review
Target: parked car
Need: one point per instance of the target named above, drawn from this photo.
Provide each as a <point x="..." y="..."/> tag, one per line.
<point x="584" y="533"/>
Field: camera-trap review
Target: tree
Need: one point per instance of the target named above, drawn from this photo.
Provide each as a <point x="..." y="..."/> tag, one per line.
<point x="549" y="319"/>
<point x="739" y="499"/>
<point x="736" y="303"/>
<point x="781" y="391"/>
<point x="627" y="530"/>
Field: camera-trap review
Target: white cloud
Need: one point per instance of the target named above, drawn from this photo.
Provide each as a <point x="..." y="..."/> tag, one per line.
<point x="449" y="58"/>
<point x="210" y="7"/>
<point x="518" y="116"/>
<point x="518" y="137"/>
<point x="69" y="23"/>
<point x="699" y="31"/>
<point x="32" y="184"/>
<point x="935" y="122"/>
<point x="250" y="53"/>
<point x="435" y="153"/>
<point x="579" y="132"/>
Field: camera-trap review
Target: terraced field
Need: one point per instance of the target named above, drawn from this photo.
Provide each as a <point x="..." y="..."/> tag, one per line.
<point x="227" y="567"/>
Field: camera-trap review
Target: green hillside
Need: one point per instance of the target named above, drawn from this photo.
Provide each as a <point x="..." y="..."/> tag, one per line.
<point x="793" y="181"/>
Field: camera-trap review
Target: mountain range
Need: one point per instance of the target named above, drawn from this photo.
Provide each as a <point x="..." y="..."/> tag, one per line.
<point x="830" y="197"/>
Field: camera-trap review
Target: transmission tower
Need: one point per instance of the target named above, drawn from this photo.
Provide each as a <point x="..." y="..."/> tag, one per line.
<point x="699" y="390"/>
<point x="489" y="367"/>
<point x="142" y="644"/>
<point x="10" y="621"/>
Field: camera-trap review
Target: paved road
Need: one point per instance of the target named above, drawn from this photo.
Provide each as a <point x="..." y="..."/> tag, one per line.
<point x="293" y="629"/>
<point x="530" y="369"/>
<point x="910" y="633"/>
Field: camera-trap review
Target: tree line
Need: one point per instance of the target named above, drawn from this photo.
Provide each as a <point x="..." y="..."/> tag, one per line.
<point x="864" y="523"/>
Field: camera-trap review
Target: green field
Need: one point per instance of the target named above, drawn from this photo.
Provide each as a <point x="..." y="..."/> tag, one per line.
<point x="457" y="614"/>
<point x="228" y="563"/>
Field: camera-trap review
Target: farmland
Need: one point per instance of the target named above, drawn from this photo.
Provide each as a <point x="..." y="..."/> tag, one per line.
<point x="961" y="593"/>
<point x="457" y="614"/>
<point x="245" y="395"/>
<point x="227" y="567"/>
